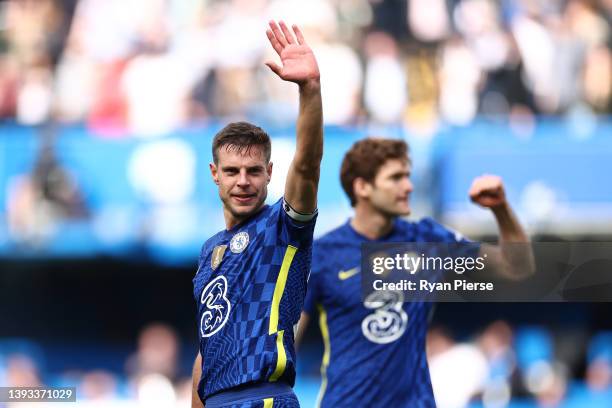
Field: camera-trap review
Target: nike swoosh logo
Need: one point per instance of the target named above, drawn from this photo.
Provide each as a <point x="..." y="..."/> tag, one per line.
<point x="343" y="275"/>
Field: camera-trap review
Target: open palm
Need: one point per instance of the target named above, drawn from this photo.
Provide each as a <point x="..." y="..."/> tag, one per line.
<point x="299" y="64"/>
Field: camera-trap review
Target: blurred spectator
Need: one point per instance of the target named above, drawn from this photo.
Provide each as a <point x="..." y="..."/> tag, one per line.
<point x="108" y="112"/>
<point x="599" y="369"/>
<point x="459" y="78"/>
<point x="236" y="41"/>
<point x="599" y="375"/>
<point x="496" y="343"/>
<point x="157" y="353"/>
<point x="21" y="371"/>
<point x="552" y="387"/>
<point x="98" y="385"/>
<point x="153" y="369"/>
<point x="438" y="341"/>
<point x="34" y="97"/>
<point x="9" y="77"/>
<point x="428" y="19"/>
<point x="75" y="74"/>
<point x="422" y="76"/>
<point x="38" y="201"/>
<point x="155" y="105"/>
<point x="457" y="374"/>
<point x="385" y="92"/>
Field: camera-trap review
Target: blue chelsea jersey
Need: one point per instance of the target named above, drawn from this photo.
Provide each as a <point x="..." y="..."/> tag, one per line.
<point x="249" y="290"/>
<point x="374" y="350"/>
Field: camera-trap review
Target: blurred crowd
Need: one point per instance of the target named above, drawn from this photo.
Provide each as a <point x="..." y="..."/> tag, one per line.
<point x="150" y="376"/>
<point x="527" y="366"/>
<point x="147" y="67"/>
<point x="502" y="366"/>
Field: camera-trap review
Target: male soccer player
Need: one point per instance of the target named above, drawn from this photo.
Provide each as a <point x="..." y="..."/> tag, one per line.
<point x="375" y="351"/>
<point x="251" y="280"/>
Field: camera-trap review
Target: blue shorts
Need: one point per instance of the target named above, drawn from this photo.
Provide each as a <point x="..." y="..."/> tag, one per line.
<point x="259" y="395"/>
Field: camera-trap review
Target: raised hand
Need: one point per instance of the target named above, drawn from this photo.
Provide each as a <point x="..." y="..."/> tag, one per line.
<point x="299" y="64"/>
<point x="488" y="191"/>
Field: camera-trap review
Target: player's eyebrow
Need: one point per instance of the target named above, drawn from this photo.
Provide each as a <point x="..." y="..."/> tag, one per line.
<point x="237" y="169"/>
<point x="255" y="168"/>
<point x="399" y="174"/>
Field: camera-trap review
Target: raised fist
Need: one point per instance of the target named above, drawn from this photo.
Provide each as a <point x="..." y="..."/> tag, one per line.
<point x="488" y="191"/>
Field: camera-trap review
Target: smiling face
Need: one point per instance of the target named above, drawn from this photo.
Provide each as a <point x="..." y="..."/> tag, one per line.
<point x="389" y="192"/>
<point x="242" y="176"/>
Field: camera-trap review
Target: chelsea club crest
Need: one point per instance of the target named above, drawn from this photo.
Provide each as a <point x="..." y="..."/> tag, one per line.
<point x="239" y="242"/>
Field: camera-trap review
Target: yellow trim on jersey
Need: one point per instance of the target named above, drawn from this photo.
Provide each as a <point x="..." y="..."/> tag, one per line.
<point x="268" y="403"/>
<point x="326" y="352"/>
<point x="280" y="287"/>
<point x="281" y="362"/>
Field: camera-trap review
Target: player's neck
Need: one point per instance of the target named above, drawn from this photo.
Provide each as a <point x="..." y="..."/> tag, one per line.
<point x="231" y="220"/>
<point x="371" y="224"/>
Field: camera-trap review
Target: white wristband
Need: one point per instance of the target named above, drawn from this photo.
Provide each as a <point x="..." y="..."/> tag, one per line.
<point x="297" y="216"/>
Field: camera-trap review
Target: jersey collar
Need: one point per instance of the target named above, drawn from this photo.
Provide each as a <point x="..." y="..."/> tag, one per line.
<point x="366" y="239"/>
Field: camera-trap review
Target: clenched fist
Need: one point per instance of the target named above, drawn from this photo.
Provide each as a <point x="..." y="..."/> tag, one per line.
<point x="488" y="191"/>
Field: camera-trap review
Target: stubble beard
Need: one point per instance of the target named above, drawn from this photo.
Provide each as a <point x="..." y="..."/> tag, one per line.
<point x="242" y="215"/>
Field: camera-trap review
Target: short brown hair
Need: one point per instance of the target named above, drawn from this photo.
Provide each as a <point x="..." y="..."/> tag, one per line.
<point x="241" y="136"/>
<point x="365" y="158"/>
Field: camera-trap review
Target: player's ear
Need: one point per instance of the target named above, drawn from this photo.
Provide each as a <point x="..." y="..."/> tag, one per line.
<point x="361" y="188"/>
<point x="214" y="172"/>
<point x="269" y="169"/>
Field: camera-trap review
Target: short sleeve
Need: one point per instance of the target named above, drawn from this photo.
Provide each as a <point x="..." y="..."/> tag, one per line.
<point x="293" y="232"/>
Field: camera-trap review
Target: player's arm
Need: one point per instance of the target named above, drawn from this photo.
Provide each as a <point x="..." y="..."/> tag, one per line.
<point x="299" y="65"/>
<point x="512" y="258"/>
<point x="196" y="402"/>
<point x="301" y="328"/>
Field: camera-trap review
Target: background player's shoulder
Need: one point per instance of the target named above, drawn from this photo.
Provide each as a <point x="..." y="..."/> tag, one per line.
<point x="339" y="234"/>
<point x="431" y="230"/>
<point x="403" y="224"/>
<point x="327" y="246"/>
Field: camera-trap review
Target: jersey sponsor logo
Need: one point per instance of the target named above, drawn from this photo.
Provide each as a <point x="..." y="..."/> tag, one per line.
<point x="389" y="321"/>
<point x="216" y="306"/>
<point x="217" y="256"/>
<point x="239" y="242"/>
<point x="344" y="275"/>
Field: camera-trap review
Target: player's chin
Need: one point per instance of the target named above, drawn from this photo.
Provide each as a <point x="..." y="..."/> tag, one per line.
<point x="402" y="210"/>
<point x="244" y="208"/>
